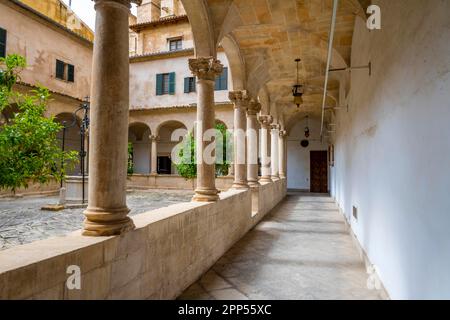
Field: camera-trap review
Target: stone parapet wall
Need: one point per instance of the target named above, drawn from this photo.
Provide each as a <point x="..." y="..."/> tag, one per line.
<point x="168" y="251"/>
<point x="145" y="181"/>
<point x="33" y="189"/>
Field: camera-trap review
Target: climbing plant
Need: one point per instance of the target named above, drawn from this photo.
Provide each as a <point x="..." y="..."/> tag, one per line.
<point x="29" y="148"/>
<point x="187" y="165"/>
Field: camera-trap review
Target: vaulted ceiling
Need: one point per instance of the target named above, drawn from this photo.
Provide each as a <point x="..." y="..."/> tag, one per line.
<point x="271" y="34"/>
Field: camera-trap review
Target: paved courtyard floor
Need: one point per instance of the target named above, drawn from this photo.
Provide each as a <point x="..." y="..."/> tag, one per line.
<point x="22" y="220"/>
<point x="302" y="250"/>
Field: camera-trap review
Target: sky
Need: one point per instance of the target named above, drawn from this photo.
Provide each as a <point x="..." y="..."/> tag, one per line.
<point x="84" y="9"/>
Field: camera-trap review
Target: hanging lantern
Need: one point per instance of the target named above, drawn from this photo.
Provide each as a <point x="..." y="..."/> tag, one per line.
<point x="297" y="91"/>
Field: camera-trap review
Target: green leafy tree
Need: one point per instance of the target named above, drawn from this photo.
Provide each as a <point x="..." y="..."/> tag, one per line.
<point x="130" y="167"/>
<point x="187" y="166"/>
<point x="29" y="148"/>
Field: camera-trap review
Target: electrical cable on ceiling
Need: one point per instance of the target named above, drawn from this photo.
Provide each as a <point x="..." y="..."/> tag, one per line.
<point x="330" y="50"/>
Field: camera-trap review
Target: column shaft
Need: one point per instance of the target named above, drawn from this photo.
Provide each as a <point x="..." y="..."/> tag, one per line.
<point x="154" y="155"/>
<point x="274" y="153"/>
<point x="265" y="121"/>
<point x="240" y="100"/>
<point x="107" y="211"/>
<point x="206" y="70"/>
<point x="252" y="144"/>
<point x="282" y="153"/>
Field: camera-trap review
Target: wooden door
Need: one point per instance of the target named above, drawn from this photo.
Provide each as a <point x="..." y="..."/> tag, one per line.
<point x="319" y="172"/>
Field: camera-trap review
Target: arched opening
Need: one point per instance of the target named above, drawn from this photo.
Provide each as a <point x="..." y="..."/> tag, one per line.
<point x="139" y="148"/>
<point x="169" y="135"/>
<point x="307" y="164"/>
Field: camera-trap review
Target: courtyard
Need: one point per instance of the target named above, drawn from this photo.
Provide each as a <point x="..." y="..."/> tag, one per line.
<point x="22" y="220"/>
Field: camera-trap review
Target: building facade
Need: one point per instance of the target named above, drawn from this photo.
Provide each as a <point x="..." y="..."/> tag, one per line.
<point x="162" y="88"/>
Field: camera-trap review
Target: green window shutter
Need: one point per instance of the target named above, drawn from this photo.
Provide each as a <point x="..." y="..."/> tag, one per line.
<point x="2" y="42"/>
<point x="70" y="73"/>
<point x="222" y="80"/>
<point x="60" y="69"/>
<point x="186" y="85"/>
<point x="159" y="84"/>
<point x="225" y="79"/>
<point x="172" y="83"/>
<point x="217" y="84"/>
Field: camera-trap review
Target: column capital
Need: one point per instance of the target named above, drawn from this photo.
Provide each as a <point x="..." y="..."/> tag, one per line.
<point x="254" y="108"/>
<point x="239" y="98"/>
<point x="265" y="120"/>
<point x="282" y="133"/>
<point x="154" y="138"/>
<point x="126" y="3"/>
<point x="205" y="68"/>
<point x="275" y="126"/>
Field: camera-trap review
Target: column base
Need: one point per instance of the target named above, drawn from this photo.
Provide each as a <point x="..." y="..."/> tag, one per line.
<point x="240" y="185"/>
<point x="202" y="195"/>
<point x="101" y="223"/>
<point x="253" y="183"/>
<point x="265" y="179"/>
<point x="282" y="176"/>
<point x="275" y="178"/>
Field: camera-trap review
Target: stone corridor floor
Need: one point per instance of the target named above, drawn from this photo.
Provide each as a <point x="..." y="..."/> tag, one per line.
<point x="22" y="220"/>
<point x="302" y="250"/>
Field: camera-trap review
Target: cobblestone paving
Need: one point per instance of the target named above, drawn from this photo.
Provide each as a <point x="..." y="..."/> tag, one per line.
<point x="22" y="220"/>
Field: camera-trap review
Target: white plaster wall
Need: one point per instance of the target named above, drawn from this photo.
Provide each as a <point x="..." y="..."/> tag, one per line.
<point x="141" y="153"/>
<point x="143" y="83"/>
<point x="393" y="147"/>
<point x="298" y="170"/>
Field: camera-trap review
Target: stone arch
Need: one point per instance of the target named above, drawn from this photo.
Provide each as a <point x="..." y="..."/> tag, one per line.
<point x="175" y="124"/>
<point x="235" y="61"/>
<point x="166" y="144"/>
<point x="138" y="136"/>
<point x="202" y="27"/>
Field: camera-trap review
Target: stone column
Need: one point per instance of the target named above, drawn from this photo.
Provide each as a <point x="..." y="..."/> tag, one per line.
<point x="281" y="153"/>
<point x="241" y="102"/>
<point x="265" y="121"/>
<point x="252" y="143"/>
<point x="107" y="211"/>
<point x="274" y="152"/>
<point x="206" y="70"/>
<point x="154" y="154"/>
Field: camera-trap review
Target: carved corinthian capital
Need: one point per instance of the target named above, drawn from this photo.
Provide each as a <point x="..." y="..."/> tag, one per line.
<point x="154" y="138"/>
<point x="254" y="108"/>
<point x="205" y="68"/>
<point x="126" y="3"/>
<point x="276" y="126"/>
<point x="266" y="121"/>
<point x="282" y="133"/>
<point x="239" y="98"/>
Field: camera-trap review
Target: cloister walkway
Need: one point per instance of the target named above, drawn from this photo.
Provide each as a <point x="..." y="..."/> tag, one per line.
<point x="302" y="250"/>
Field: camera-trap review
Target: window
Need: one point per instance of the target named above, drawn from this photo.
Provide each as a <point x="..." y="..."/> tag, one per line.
<point x="222" y="80"/>
<point x="175" y="44"/>
<point x="65" y="71"/>
<point x="189" y="85"/>
<point x="60" y="66"/>
<point x="165" y="83"/>
<point x="2" y="42"/>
